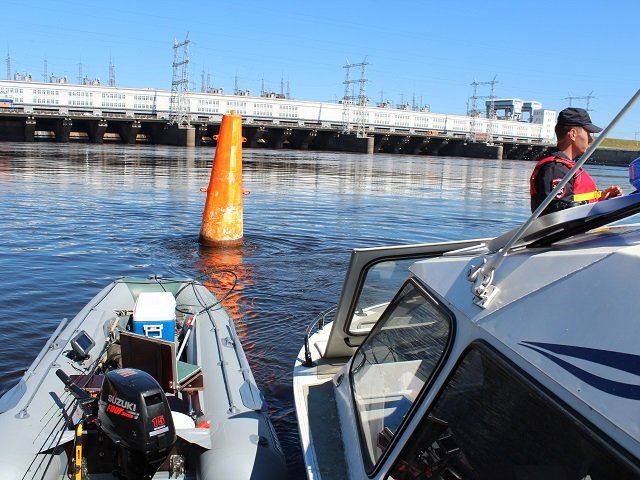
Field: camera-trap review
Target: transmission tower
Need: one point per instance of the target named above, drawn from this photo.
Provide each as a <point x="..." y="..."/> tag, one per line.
<point x="583" y="97"/>
<point x="473" y="110"/>
<point x="351" y="99"/>
<point x="180" y="84"/>
<point x="80" y="73"/>
<point x="346" y="99"/>
<point x="45" y="73"/>
<point x="8" y="66"/>
<point x="112" y="74"/>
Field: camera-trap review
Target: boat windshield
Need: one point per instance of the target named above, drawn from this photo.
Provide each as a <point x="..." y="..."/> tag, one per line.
<point x="393" y="365"/>
<point x="491" y="423"/>
<point x="382" y="281"/>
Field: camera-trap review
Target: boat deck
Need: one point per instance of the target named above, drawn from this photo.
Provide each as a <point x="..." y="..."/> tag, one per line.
<point x="325" y="435"/>
<point x="323" y="428"/>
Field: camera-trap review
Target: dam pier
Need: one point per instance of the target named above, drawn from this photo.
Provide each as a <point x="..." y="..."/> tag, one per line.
<point x="120" y="129"/>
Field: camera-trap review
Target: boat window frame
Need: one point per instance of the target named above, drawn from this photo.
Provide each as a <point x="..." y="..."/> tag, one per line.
<point x="362" y="280"/>
<point x="435" y="373"/>
<point x="517" y="374"/>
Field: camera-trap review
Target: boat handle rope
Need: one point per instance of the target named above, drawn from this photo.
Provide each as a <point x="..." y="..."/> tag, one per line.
<point x="482" y="275"/>
<point x="320" y="321"/>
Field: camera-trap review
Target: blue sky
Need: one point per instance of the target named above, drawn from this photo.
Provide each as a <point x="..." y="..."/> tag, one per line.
<point x="537" y="50"/>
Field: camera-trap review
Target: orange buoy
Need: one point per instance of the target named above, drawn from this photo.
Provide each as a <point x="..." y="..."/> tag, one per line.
<point x="222" y="219"/>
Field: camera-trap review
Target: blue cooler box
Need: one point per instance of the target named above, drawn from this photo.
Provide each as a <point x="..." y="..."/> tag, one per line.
<point x="155" y="315"/>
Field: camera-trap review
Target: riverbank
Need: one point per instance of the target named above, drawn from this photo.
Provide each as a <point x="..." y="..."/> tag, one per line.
<point x="613" y="156"/>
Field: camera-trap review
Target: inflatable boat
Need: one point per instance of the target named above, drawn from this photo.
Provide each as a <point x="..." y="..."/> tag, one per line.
<point x="149" y="380"/>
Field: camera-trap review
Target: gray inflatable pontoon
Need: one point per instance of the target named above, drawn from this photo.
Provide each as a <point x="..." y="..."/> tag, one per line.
<point x="149" y="380"/>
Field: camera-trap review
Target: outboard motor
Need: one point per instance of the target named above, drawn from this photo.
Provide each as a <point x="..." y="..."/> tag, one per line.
<point x="134" y="413"/>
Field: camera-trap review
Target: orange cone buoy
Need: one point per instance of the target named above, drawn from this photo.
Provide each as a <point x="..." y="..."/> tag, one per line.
<point x="222" y="219"/>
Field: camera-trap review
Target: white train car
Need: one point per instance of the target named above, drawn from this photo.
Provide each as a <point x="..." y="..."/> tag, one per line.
<point x="101" y="100"/>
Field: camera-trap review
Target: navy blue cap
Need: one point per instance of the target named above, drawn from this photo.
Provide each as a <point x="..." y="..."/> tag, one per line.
<point x="577" y="117"/>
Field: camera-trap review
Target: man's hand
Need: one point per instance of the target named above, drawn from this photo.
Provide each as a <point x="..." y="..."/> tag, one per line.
<point x="613" y="191"/>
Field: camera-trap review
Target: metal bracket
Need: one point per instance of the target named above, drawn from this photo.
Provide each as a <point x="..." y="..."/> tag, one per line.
<point x="482" y="284"/>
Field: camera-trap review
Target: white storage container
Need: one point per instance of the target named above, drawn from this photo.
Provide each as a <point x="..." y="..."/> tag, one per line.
<point x="155" y="315"/>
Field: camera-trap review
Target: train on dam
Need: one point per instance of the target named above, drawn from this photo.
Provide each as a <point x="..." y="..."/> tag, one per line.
<point x="507" y="119"/>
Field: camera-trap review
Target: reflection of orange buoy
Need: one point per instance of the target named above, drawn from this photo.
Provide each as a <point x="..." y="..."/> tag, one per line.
<point x="226" y="276"/>
<point x="222" y="220"/>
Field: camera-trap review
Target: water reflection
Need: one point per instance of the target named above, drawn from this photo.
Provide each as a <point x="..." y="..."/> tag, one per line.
<point x="224" y="273"/>
<point x="75" y="217"/>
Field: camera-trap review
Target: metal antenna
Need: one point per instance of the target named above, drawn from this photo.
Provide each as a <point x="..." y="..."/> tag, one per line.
<point x="180" y="83"/>
<point x="112" y="74"/>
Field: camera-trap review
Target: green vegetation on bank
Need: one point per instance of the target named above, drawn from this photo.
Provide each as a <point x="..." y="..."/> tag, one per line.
<point x="621" y="144"/>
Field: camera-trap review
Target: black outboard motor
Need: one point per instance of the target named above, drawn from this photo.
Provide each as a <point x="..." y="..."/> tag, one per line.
<point x="134" y="413"/>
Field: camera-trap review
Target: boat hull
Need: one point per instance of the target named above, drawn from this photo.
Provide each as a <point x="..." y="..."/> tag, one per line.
<point x="220" y="415"/>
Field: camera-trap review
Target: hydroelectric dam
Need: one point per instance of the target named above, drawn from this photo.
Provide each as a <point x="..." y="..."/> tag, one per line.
<point x="61" y="112"/>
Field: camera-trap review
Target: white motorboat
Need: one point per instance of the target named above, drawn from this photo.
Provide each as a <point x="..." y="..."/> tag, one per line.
<point x="149" y="380"/>
<point x="516" y="357"/>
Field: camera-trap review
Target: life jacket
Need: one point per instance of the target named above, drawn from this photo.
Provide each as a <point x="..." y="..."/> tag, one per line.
<point x="584" y="187"/>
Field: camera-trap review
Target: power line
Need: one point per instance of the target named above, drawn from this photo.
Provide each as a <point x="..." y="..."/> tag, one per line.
<point x="588" y="98"/>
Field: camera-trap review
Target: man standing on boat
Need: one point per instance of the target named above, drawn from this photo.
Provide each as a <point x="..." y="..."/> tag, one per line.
<point x="573" y="133"/>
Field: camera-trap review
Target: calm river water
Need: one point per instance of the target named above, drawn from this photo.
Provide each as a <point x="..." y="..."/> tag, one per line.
<point x="75" y="217"/>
